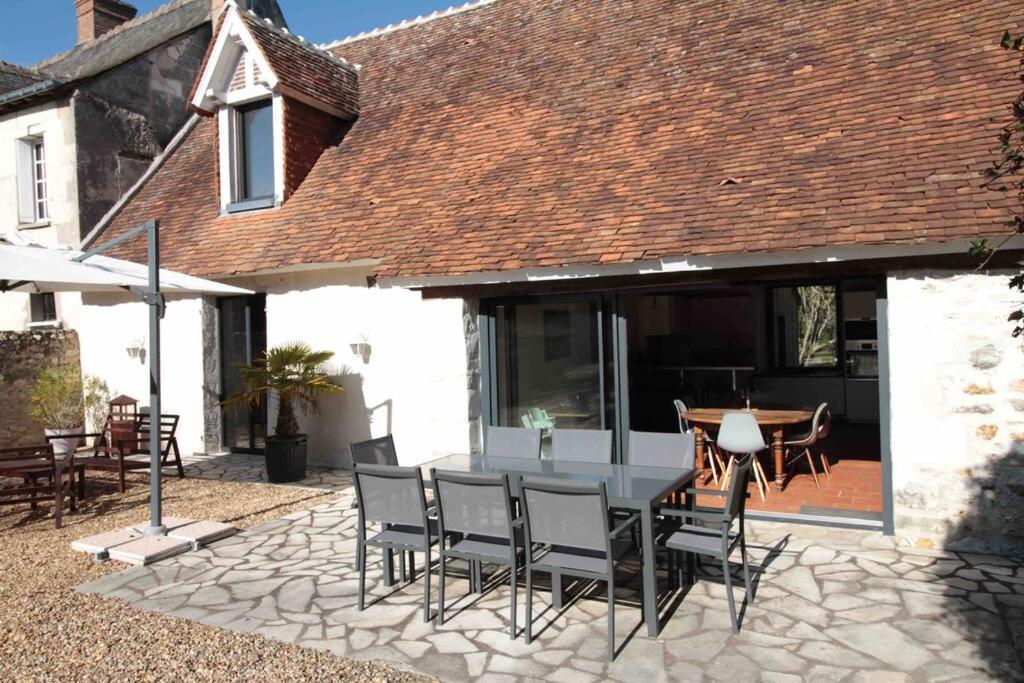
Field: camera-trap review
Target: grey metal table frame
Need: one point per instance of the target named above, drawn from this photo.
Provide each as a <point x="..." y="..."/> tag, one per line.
<point x="629" y="487"/>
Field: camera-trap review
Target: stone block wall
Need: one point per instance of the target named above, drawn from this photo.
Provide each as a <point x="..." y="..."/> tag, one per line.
<point x="22" y="356"/>
<point x="957" y="411"/>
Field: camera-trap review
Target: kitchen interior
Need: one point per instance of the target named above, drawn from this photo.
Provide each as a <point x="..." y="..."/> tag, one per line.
<point x="781" y="346"/>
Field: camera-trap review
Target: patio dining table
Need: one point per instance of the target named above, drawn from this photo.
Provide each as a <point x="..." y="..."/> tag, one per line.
<point x="629" y="487"/>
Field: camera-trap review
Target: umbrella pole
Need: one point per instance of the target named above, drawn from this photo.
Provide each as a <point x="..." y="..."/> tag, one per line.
<point x="155" y="302"/>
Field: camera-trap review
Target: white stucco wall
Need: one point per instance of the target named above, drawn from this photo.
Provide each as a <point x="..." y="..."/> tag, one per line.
<point x="957" y="415"/>
<point x="110" y="323"/>
<point x="414" y="383"/>
<point x="54" y="122"/>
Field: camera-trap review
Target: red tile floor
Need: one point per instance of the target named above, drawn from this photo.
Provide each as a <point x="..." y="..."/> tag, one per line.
<point x="855" y="484"/>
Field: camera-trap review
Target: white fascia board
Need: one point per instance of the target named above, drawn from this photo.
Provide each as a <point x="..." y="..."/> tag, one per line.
<point x="278" y="118"/>
<point x="226" y="163"/>
<point x="232" y="39"/>
<point x="689" y="264"/>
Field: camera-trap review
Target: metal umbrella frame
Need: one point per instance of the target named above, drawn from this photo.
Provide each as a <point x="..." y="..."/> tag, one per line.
<point x="113" y="274"/>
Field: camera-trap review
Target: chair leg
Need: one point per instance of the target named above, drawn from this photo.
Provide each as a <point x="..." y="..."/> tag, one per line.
<point x="440" y="589"/>
<point x="728" y="472"/>
<point x="727" y="576"/>
<point x="814" y="472"/>
<point x="361" y="560"/>
<point x="121" y="477"/>
<point x="611" y="618"/>
<point x="746" y="569"/>
<point x="529" y="604"/>
<point x="401" y="565"/>
<point x="513" y="572"/>
<point x="824" y="466"/>
<point x="759" y="478"/>
<point x="718" y="457"/>
<point x="426" y="582"/>
<point x="177" y="459"/>
<point x="711" y="461"/>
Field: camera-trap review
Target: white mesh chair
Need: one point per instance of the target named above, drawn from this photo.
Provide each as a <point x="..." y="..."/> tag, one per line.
<point x="582" y="445"/>
<point x="570" y="521"/>
<point x="717" y="538"/>
<point x="712" y="455"/>
<point x="740" y="434"/>
<point x="512" y="442"/>
<point x="475" y="523"/>
<point x="821" y="424"/>
<point x="393" y="497"/>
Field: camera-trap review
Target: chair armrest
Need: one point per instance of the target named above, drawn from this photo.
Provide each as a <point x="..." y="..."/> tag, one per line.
<point x="706" y="492"/>
<point x="696" y="514"/>
<point x="51" y="437"/>
<point x="625" y="524"/>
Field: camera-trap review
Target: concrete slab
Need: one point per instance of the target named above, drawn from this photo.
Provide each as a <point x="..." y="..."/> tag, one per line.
<point x="199" y="534"/>
<point x="147" y="549"/>
<point x="100" y="543"/>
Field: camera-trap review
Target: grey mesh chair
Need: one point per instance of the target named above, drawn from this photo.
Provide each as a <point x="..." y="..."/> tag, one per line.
<point x="821" y="424"/>
<point x="714" y="456"/>
<point x="393" y="497"/>
<point x="582" y="445"/>
<point x="570" y="520"/>
<point x="380" y="451"/>
<point x="717" y="538"/>
<point x="512" y="442"/>
<point x="474" y="516"/>
<point x="657" y="449"/>
<point x="739" y="435"/>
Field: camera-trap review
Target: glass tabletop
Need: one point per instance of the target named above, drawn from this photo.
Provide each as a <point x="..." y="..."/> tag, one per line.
<point x="626" y="485"/>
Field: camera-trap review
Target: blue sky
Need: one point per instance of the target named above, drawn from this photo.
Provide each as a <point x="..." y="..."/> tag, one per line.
<point x="32" y="30"/>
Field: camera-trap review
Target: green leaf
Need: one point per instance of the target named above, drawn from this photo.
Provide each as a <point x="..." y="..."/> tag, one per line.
<point x="1005" y="42"/>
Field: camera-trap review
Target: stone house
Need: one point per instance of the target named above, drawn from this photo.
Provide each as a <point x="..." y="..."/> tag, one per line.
<point x="567" y="214"/>
<point x="79" y="129"/>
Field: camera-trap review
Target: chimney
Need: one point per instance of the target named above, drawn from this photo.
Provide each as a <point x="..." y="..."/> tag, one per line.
<point x="96" y="17"/>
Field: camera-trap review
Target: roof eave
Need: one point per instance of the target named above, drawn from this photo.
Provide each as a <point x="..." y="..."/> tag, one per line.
<point x="30" y="94"/>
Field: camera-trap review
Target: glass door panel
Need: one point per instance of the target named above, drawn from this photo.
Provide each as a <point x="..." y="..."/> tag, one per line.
<point x="548" y="366"/>
<point x="243" y="339"/>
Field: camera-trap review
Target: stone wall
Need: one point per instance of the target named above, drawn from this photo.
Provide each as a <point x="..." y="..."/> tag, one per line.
<point x="957" y="417"/>
<point x="22" y="356"/>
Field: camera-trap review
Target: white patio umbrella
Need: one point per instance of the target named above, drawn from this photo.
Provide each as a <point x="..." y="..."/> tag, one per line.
<point x="29" y="266"/>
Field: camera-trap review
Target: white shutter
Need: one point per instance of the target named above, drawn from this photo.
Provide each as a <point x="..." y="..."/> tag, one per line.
<point x="26" y="183"/>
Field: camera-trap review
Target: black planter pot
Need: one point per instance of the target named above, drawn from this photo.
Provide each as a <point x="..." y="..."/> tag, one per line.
<point x="286" y="458"/>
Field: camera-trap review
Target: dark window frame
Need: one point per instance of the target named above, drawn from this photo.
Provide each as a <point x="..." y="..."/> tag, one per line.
<point x="42" y="307"/>
<point x="779" y="369"/>
<point x="242" y="198"/>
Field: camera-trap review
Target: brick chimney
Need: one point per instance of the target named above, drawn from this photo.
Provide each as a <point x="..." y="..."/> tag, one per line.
<point x="96" y="17"/>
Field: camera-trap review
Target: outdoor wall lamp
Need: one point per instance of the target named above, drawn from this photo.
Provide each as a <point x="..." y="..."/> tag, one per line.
<point x="362" y="349"/>
<point x="136" y="348"/>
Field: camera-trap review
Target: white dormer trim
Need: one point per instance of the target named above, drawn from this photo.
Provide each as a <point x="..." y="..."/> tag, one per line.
<point x="226" y="152"/>
<point x="233" y="41"/>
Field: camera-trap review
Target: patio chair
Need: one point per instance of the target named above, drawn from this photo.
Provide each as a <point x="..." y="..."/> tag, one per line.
<point x="116" y="450"/>
<point x="821" y="424"/>
<point x="379" y="451"/>
<point x="512" y="442"/>
<point x="739" y="435"/>
<point x="538" y="418"/>
<point x="29" y="464"/>
<point x="570" y="521"/>
<point x="393" y="497"/>
<point x="657" y="449"/>
<point x="717" y="538"/>
<point x="712" y="454"/>
<point x="582" y="445"/>
<point x="474" y="515"/>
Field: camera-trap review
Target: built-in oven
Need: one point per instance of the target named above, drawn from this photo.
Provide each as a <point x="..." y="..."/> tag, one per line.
<point x="862" y="358"/>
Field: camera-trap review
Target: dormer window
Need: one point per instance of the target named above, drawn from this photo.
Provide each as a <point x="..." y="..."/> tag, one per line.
<point x="254" y="152"/>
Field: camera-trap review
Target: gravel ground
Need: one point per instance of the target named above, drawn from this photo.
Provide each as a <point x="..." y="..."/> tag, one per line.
<point x="49" y="631"/>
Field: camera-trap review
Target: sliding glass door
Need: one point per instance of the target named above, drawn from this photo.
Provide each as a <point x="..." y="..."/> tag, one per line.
<point x="550" y="368"/>
<point x="243" y="339"/>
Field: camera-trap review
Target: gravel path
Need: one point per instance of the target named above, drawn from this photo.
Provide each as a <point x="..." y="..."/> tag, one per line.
<point x="47" y="630"/>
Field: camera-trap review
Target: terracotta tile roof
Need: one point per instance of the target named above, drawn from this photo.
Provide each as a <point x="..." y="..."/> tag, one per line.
<point x="306" y="70"/>
<point x="528" y="134"/>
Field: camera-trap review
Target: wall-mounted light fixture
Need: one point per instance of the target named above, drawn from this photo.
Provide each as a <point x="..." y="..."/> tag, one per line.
<point x="136" y="349"/>
<point x="362" y="349"/>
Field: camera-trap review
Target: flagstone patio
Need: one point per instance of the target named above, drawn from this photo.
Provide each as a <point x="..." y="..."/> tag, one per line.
<point x="831" y="605"/>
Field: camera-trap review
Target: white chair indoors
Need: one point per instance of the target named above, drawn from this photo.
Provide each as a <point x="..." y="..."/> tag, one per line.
<point x="739" y="435"/>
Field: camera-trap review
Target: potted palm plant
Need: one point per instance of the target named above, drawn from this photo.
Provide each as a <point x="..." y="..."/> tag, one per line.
<point x="57" y="402"/>
<point x="297" y="376"/>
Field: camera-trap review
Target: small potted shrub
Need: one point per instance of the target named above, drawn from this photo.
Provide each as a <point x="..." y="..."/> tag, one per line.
<point x="58" y="403"/>
<point x="297" y="375"/>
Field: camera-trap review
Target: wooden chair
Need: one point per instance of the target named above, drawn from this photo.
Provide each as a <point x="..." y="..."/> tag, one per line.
<point x="113" y="450"/>
<point x="30" y="464"/>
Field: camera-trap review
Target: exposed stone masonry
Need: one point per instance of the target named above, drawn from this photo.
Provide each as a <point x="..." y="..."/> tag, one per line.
<point x="22" y="356"/>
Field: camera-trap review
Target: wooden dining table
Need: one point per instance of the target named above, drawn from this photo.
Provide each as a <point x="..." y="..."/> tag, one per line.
<point x="770" y="419"/>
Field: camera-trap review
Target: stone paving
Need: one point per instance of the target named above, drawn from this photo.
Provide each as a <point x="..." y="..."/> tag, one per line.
<point x="249" y="468"/>
<point x="830" y="605"/>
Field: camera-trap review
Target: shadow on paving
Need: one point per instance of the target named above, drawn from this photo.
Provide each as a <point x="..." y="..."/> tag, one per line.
<point x="990" y="537"/>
